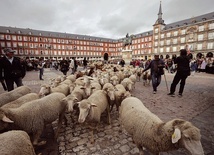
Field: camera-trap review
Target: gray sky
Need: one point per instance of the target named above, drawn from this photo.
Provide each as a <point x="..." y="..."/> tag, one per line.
<point x="101" y="18"/>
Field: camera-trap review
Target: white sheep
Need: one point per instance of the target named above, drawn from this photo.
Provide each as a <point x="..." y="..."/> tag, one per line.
<point x="14" y="94"/>
<point x="110" y="91"/>
<point x="76" y="95"/>
<point x="120" y="95"/>
<point x="16" y="142"/>
<point x="133" y="78"/>
<point x="71" y="77"/>
<point x="18" y="102"/>
<point x="93" y="107"/>
<point x="127" y="83"/>
<point x="32" y="116"/>
<point x="46" y="89"/>
<point x="149" y="131"/>
<point x="114" y="80"/>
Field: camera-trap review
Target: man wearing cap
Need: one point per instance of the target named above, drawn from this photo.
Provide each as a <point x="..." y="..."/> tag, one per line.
<point x="11" y="69"/>
<point x="156" y="67"/>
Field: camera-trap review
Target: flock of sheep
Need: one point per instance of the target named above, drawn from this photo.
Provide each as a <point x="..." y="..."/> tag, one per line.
<point x="23" y="114"/>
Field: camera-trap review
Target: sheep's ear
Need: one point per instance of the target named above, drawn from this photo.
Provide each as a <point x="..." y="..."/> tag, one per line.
<point x="7" y="120"/>
<point x="93" y="87"/>
<point x="76" y="99"/>
<point x="93" y="105"/>
<point x="64" y="100"/>
<point x="176" y="135"/>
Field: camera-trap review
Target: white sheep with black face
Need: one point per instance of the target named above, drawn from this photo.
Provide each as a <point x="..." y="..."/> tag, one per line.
<point x="14" y="94"/>
<point x="16" y="142"/>
<point x="149" y="131"/>
<point x="34" y="115"/>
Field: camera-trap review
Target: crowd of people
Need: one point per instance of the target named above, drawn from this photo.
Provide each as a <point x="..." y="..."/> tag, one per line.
<point x="13" y="69"/>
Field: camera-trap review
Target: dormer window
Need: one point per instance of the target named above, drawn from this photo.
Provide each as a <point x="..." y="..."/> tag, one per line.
<point x="8" y="31"/>
<point x="19" y="32"/>
<point x="30" y="33"/>
<point x="40" y="34"/>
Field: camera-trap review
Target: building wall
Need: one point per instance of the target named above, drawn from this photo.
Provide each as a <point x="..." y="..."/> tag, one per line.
<point x="196" y="36"/>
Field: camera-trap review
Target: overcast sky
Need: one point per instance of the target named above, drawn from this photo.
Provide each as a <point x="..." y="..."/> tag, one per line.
<point x="101" y="18"/>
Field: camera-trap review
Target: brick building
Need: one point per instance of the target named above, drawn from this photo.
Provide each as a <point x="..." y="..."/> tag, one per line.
<point x="196" y="34"/>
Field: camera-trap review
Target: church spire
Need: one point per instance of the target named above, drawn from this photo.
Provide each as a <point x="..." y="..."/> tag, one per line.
<point x="160" y="12"/>
<point x="160" y="20"/>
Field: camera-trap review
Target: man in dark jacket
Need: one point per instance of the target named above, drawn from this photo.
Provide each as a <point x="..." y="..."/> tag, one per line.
<point x="183" y="71"/>
<point x="64" y="66"/>
<point x="156" y="66"/>
<point x="11" y="69"/>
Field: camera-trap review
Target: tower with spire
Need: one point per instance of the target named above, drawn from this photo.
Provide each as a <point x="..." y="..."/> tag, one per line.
<point x="160" y="20"/>
<point x="157" y="28"/>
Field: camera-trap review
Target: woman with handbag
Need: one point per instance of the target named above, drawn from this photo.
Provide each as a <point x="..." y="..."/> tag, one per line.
<point x="11" y="69"/>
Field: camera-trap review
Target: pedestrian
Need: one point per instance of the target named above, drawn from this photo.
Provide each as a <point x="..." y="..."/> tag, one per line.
<point x="183" y="71"/>
<point x="73" y="65"/>
<point x="11" y="69"/>
<point x="41" y="68"/>
<point x="193" y="67"/>
<point x="156" y="68"/>
<point x="203" y="64"/>
<point x="122" y="63"/>
<point x="85" y="63"/>
<point x="64" y="66"/>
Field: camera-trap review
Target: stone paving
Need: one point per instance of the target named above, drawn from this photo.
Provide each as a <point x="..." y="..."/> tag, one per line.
<point x="196" y="106"/>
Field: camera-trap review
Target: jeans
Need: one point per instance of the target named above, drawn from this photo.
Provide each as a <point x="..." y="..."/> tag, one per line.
<point x="10" y="83"/>
<point x="156" y="80"/>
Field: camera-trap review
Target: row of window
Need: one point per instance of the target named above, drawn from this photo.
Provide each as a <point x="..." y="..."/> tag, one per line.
<point x="183" y="39"/>
<point x="53" y="40"/>
<point x="209" y="46"/>
<point x="54" y="46"/>
<point x="200" y="28"/>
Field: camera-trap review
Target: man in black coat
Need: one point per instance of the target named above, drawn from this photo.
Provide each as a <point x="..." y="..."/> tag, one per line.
<point x="64" y="66"/>
<point x="11" y="69"/>
<point x="183" y="71"/>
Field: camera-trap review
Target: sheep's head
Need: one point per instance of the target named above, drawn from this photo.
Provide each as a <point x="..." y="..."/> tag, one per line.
<point x="111" y="93"/>
<point x="187" y="136"/>
<point x="84" y="107"/>
<point x="45" y="90"/>
<point x="4" y="120"/>
<point x="70" y="102"/>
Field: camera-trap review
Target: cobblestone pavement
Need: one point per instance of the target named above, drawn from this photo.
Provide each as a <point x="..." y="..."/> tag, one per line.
<point x="196" y="106"/>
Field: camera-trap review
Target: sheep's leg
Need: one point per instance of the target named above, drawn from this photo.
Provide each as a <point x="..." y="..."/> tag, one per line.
<point x="140" y="150"/>
<point x="61" y="117"/>
<point x="36" y="137"/>
<point x="92" y="134"/>
<point x="108" y="113"/>
<point x="120" y="122"/>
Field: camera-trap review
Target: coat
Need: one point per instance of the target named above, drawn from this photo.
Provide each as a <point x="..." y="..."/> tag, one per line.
<point x="8" y="70"/>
